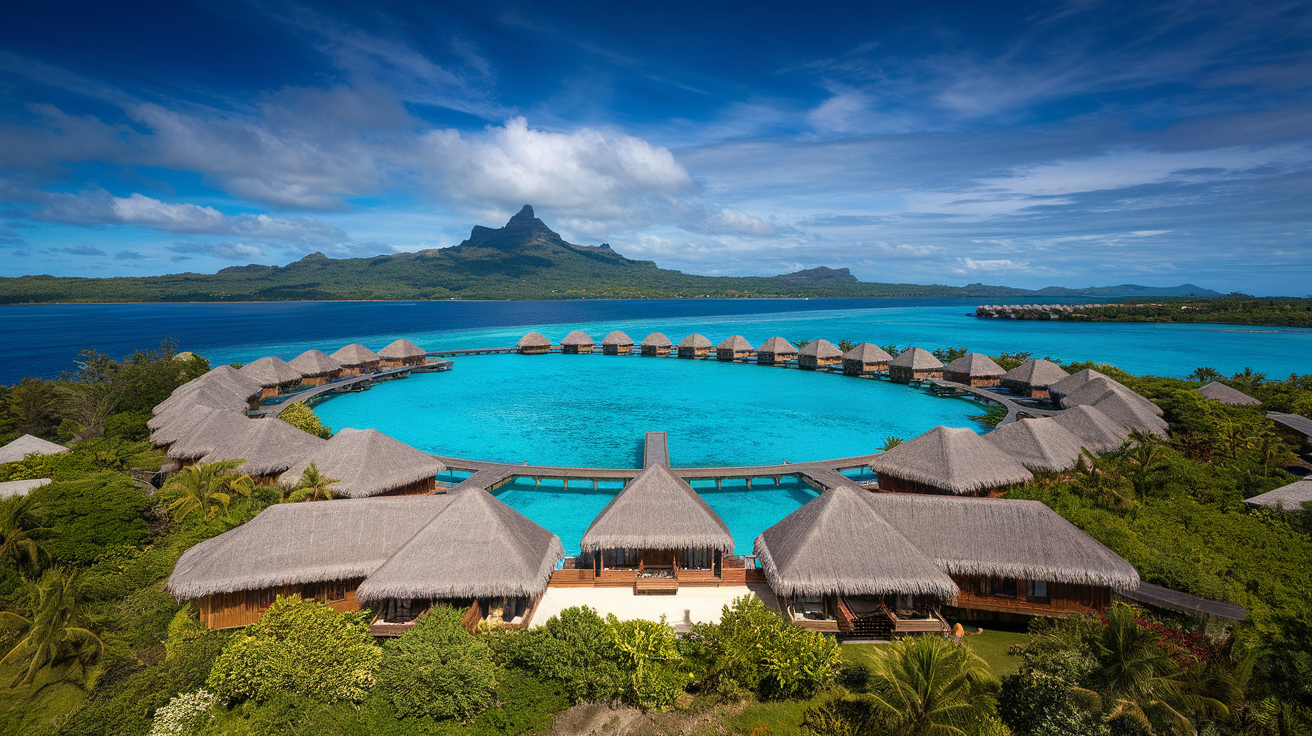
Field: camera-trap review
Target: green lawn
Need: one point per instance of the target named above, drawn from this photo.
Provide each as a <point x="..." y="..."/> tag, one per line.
<point x="992" y="647"/>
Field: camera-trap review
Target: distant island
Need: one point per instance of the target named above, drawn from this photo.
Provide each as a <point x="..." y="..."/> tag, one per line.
<point x="523" y="260"/>
<point x="1235" y="309"/>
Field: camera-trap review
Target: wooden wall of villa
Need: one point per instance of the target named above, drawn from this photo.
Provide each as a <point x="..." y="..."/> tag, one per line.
<point x="244" y="607"/>
<point x="413" y="360"/>
<point x="857" y="368"/>
<point x="421" y="487"/>
<point x="311" y="381"/>
<point x="583" y="572"/>
<point x="969" y="380"/>
<point x="359" y="370"/>
<point x="1026" y="597"/>
<point x="902" y="374"/>
<point x="892" y="484"/>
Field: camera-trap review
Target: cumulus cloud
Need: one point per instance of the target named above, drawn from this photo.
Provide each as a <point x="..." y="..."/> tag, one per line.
<point x="972" y="265"/>
<point x="223" y="251"/>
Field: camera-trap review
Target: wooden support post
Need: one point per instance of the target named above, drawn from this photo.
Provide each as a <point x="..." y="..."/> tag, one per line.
<point x="749" y="484"/>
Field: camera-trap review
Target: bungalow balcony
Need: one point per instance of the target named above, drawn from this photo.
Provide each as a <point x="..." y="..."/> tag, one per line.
<point x="395" y="617"/>
<point x="867" y="617"/>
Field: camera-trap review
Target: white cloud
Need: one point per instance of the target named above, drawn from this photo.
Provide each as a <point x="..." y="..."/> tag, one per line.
<point x="972" y="265"/>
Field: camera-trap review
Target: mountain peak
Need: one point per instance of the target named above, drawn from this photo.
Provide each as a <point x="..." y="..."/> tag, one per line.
<point x="524" y="214"/>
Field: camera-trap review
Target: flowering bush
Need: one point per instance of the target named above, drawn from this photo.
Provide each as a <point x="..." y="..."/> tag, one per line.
<point x="184" y="714"/>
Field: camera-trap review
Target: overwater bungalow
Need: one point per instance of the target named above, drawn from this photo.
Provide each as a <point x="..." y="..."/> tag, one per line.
<point x="1289" y="498"/>
<point x="1009" y="557"/>
<point x="617" y="343"/>
<point x="865" y="359"/>
<point x="533" y="344"/>
<point x="316" y="368"/>
<point x="818" y="354"/>
<point x="694" y="346"/>
<point x="776" y="351"/>
<point x="201" y="438"/>
<point x="974" y="369"/>
<point x="403" y="353"/>
<point x="275" y="375"/>
<point x="914" y="364"/>
<point x="477" y="554"/>
<point x="837" y="566"/>
<point x="1041" y="445"/>
<point x="1097" y="432"/>
<point x="1033" y="377"/>
<point x="577" y="343"/>
<point x="26" y="445"/>
<point x="656" y="344"/>
<point x="657" y="534"/>
<point x="947" y="460"/>
<point x="734" y="348"/>
<point x="367" y="462"/>
<point x="267" y="447"/>
<point x="1220" y="392"/>
<point x="357" y="360"/>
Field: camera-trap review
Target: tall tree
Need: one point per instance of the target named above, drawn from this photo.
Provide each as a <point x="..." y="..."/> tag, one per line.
<point x="92" y="392"/>
<point x="57" y="639"/>
<point x="929" y="686"/>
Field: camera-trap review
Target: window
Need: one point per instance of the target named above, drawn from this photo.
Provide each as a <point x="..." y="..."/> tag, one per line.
<point x="1004" y="587"/>
<point x="265" y="598"/>
<point x="334" y="591"/>
<point x="1038" y="591"/>
<point x="619" y="558"/>
<point x="697" y="559"/>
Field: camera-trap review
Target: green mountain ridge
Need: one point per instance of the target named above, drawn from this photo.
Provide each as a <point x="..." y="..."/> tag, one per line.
<point x="525" y="259"/>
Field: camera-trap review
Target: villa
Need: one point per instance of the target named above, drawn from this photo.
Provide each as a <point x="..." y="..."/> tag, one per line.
<point x="656" y="344"/>
<point x="914" y="364"/>
<point x="974" y="369"/>
<point x="316" y="368"/>
<point x="357" y="360"/>
<point x="577" y="343"/>
<point x="734" y="348"/>
<point x="948" y="460"/>
<point x="1033" y="377"/>
<point x="818" y="354"/>
<point x="617" y="343"/>
<point x="776" y="351"/>
<point x="866" y="359"/>
<point x="366" y="463"/>
<point x="533" y="344"/>
<point x="274" y="375"/>
<point x="694" y="346"/>
<point x="401" y="354"/>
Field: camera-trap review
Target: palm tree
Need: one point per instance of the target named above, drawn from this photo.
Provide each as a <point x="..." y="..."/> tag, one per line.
<point x="313" y="485"/>
<point x="1098" y="478"/>
<point x="206" y="488"/>
<point x="17" y="514"/>
<point x="929" y="686"/>
<point x="845" y="345"/>
<point x="1205" y="375"/>
<point x="57" y="638"/>
<point x="1247" y="380"/>
<point x="890" y="442"/>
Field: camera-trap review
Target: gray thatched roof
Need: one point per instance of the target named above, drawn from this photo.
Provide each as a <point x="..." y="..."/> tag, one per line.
<point x="1226" y="395"/>
<point x="208" y="396"/>
<point x="28" y="445"/>
<point x="1096" y="430"/>
<point x="778" y="346"/>
<point x="1290" y="497"/>
<point x="533" y="340"/>
<point x="1035" y="372"/>
<point x="1003" y="538"/>
<point x="402" y="349"/>
<point x="617" y="338"/>
<point x="1097" y="387"/>
<point x="355" y="354"/>
<point x="298" y="543"/>
<point x="203" y="437"/>
<point x="476" y="547"/>
<point x="224" y="380"/>
<point x="952" y="459"/>
<point x="736" y="343"/>
<point x="656" y="340"/>
<point x="1042" y="445"/>
<point x="365" y="462"/>
<point x="837" y="543"/>
<point x="917" y="360"/>
<point x="1296" y="422"/>
<point x="695" y="341"/>
<point x="269" y="446"/>
<point x="975" y="365"/>
<point x="868" y="353"/>
<point x="657" y="510"/>
<point x="21" y="487"/>
<point x="270" y="371"/>
<point x="1068" y="384"/>
<point x="314" y="363"/>
<point x="822" y="349"/>
<point x="176" y="424"/>
<point x="1130" y="414"/>
<point x="577" y="337"/>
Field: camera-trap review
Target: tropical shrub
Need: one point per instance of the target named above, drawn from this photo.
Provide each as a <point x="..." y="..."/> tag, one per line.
<point x="302" y="417"/>
<point x="55" y="642"/>
<point x="572" y="649"/>
<point x="438" y="669"/>
<point x="183" y="714"/>
<point x="300" y="647"/>
<point x="82" y="519"/>
<point x="649" y="656"/>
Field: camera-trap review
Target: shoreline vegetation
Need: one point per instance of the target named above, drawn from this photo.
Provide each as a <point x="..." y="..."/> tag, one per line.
<point x="85" y="559"/>
<point x="1233" y="309"/>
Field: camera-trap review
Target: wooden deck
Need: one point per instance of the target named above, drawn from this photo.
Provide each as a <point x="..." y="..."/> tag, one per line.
<point x="656" y="450"/>
<point x="731" y="577"/>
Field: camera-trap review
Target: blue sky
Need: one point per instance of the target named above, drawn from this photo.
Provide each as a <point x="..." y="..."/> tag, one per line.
<point x="1026" y="144"/>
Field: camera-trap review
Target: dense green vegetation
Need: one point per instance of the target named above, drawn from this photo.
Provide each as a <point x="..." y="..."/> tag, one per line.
<point x="94" y="645"/>
<point x="1234" y="309"/>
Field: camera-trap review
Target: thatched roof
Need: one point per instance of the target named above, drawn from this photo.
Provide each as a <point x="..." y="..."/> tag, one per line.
<point x="656" y="340"/>
<point x="203" y="437"/>
<point x="402" y="349"/>
<point x="617" y="338"/>
<point x="1295" y="422"/>
<point x="224" y="380"/>
<point x="1290" y="497"/>
<point x="1130" y="414"/>
<point x="314" y="363"/>
<point x="1096" y="430"/>
<point x="28" y="445"/>
<point x="1226" y="395"/>
<point x="1003" y="538"/>
<point x="837" y="543"/>
<point x="533" y="340"/>
<point x="476" y="547"/>
<point x="976" y="365"/>
<point x="355" y="354"/>
<point x="365" y="462"/>
<point x="695" y="341"/>
<point x="1035" y="372"/>
<point x="822" y="349"/>
<point x="298" y="543"/>
<point x="917" y="360"/>
<point x="1068" y="384"/>
<point x="868" y="353"/>
<point x="778" y="346"/>
<point x="1042" y="445"/>
<point x="735" y="343"/>
<point x="269" y="446"/>
<point x="952" y="459"/>
<point x="657" y="510"/>
<point x="21" y="487"/>
<point x="208" y="396"/>
<point x="270" y="371"/>
<point x="577" y="337"/>
<point x="176" y="424"/>
<point x="1097" y="387"/>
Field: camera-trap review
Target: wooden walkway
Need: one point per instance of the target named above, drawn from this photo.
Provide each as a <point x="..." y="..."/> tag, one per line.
<point x="656" y="450"/>
<point x="1014" y="410"/>
<point x="348" y="385"/>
